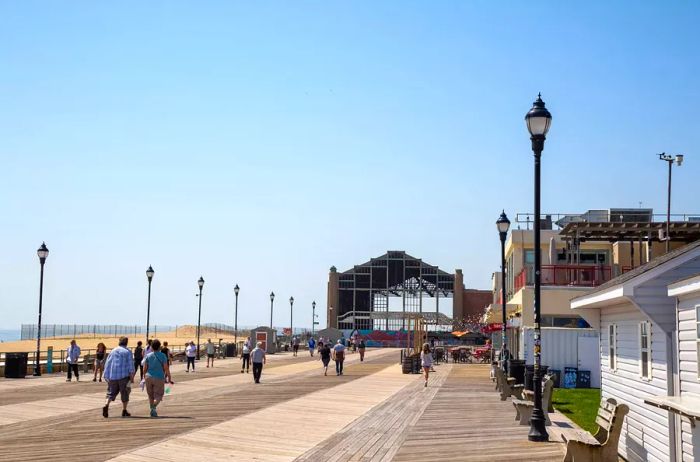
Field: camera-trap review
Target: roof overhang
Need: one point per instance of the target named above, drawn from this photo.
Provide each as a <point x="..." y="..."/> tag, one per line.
<point x="684" y="287"/>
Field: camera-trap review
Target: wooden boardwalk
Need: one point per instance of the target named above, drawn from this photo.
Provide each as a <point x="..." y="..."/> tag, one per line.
<point x="372" y="413"/>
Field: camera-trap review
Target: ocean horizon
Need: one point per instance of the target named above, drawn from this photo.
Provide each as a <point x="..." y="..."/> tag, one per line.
<point x="9" y="335"/>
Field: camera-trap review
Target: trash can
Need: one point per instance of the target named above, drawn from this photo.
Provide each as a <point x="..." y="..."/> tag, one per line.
<point x="16" y="365"/>
<point x="416" y="364"/>
<point x="407" y="365"/>
<point x="570" y="377"/>
<point x="516" y="369"/>
<point x="530" y="373"/>
<point x="583" y="379"/>
<point x="231" y="350"/>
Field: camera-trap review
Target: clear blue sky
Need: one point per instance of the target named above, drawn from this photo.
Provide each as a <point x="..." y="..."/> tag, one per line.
<point x="260" y="143"/>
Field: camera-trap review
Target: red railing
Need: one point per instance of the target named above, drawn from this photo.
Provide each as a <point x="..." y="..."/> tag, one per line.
<point x="565" y="275"/>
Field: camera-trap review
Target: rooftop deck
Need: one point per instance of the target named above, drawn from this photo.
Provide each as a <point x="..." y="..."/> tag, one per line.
<point x="372" y="413"/>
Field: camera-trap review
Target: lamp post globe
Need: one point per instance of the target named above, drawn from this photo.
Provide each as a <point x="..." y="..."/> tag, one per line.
<point x="538" y="120"/>
<point x="503" y="225"/>
<point x="200" y="284"/>
<point x="43" y="253"/>
<point x="149" y="275"/>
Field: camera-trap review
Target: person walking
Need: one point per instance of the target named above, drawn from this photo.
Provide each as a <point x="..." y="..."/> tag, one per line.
<point x="157" y="373"/>
<point x="312" y="346"/>
<point x="249" y="344"/>
<point x="361" y="348"/>
<point x="100" y="358"/>
<point x="324" y="352"/>
<point x="166" y="351"/>
<point x="72" y="356"/>
<point x="245" y="358"/>
<point x="138" y="357"/>
<point x="258" y="357"/>
<point x="190" y="353"/>
<point x="149" y="348"/>
<point x="119" y="373"/>
<point x="426" y="361"/>
<point x="210" y="352"/>
<point x="339" y="357"/>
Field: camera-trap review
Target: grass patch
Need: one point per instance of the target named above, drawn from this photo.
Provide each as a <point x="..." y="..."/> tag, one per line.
<point x="579" y="405"/>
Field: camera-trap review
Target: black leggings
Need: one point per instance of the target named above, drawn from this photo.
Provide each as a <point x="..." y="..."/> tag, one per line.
<point x="138" y="367"/>
<point x="74" y="369"/>
<point x="190" y="360"/>
<point x="246" y="361"/>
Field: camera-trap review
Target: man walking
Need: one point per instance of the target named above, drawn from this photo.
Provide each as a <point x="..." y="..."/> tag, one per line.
<point x="72" y="356"/>
<point x="257" y="356"/>
<point x="312" y="346"/>
<point x="210" y="352"/>
<point x="295" y="345"/>
<point x="339" y="357"/>
<point x="119" y="373"/>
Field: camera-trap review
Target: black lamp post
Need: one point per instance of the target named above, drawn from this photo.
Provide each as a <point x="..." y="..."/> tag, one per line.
<point x="149" y="275"/>
<point x="42" y="252"/>
<point x="235" y="322"/>
<point x="670" y="160"/>
<point x="538" y="120"/>
<point x="272" y="304"/>
<point x="291" y="317"/>
<point x="503" y="224"/>
<point x="313" y="317"/>
<point x="200" y="283"/>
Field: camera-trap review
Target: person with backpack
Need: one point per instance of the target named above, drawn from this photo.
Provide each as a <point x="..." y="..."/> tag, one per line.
<point x="157" y="373"/>
<point x="339" y="357"/>
<point x="246" y="358"/>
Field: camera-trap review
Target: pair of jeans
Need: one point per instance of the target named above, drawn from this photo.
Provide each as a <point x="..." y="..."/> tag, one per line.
<point x="190" y="360"/>
<point x="246" y="361"/>
<point x="339" y="367"/>
<point x="257" y="371"/>
<point x="73" y="368"/>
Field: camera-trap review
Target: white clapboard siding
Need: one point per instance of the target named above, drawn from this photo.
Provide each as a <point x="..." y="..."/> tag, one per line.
<point x="688" y="363"/>
<point x="645" y="433"/>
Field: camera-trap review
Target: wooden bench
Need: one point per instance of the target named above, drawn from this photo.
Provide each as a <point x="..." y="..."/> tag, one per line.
<point x="603" y="447"/>
<point x="506" y="387"/>
<point x="524" y="407"/>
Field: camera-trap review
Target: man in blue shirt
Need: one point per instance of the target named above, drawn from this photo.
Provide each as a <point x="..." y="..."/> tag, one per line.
<point x="119" y="373"/>
<point x="72" y="357"/>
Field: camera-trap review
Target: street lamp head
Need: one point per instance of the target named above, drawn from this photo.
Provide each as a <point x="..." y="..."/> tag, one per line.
<point x="313" y="304"/>
<point x="200" y="283"/>
<point x="236" y="289"/>
<point x="42" y="252"/>
<point x="150" y="273"/>
<point x="272" y="296"/>
<point x="679" y="159"/>
<point x="291" y="300"/>
<point x="538" y="118"/>
<point x="503" y="224"/>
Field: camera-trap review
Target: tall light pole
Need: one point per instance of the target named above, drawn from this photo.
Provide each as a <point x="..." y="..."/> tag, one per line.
<point x="503" y="224"/>
<point x="272" y="304"/>
<point x="200" y="283"/>
<point x="670" y="160"/>
<point x="291" y="317"/>
<point x="42" y="252"/>
<point x="149" y="275"/>
<point x="235" y="322"/>
<point x="538" y="120"/>
<point x="313" y="317"/>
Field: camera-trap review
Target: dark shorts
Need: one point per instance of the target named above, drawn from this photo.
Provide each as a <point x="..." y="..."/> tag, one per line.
<point x="210" y="355"/>
<point x="116" y="387"/>
<point x="325" y="361"/>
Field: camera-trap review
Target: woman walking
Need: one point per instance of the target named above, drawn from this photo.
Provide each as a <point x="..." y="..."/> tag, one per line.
<point x="157" y="373"/>
<point x="72" y="356"/>
<point x="100" y="358"/>
<point x="245" y="358"/>
<point x="190" y="352"/>
<point x="426" y="361"/>
<point x="138" y="357"/>
<point x="361" y="347"/>
<point x="166" y="351"/>
<point x="324" y="352"/>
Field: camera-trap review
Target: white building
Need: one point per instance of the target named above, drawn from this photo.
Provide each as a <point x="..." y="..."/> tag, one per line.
<point x="640" y="356"/>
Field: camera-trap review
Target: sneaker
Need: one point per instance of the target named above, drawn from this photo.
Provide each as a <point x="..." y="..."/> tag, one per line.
<point x="77" y="379"/>
<point x="105" y="411"/>
<point x="67" y="380"/>
<point x="95" y="380"/>
<point x="425" y="384"/>
<point x="187" y="371"/>
<point x="247" y="371"/>
<point x="125" y="413"/>
<point x="153" y="412"/>
<point x="100" y="380"/>
<point x="241" y="371"/>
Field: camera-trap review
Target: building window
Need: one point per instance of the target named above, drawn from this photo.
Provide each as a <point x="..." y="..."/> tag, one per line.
<point x="645" y="350"/>
<point x="612" y="347"/>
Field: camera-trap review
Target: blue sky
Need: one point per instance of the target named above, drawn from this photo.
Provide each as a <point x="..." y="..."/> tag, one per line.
<point x="261" y="143"/>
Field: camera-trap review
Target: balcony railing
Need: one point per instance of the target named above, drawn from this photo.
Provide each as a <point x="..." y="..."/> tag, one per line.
<point x="565" y="275"/>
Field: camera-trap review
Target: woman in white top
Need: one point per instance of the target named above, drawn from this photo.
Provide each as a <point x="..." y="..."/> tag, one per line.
<point x="426" y="361"/>
<point x="191" y="353"/>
